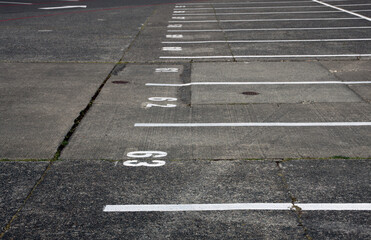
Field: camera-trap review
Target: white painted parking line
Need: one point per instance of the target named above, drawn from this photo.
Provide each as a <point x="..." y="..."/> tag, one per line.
<point x="257" y="124"/>
<point x="244" y="3"/>
<point x="267" y="56"/>
<point x="254" y="13"/>
<point x="255" y="83"/>
<point x="343" y="10"/>
<point x="268" y="29"/>
<point x="20" y="3"/>
<point x="63" y="7"/>
<point x="270" y="41"/>
<point x="266" y="20"/>
<point x="272" y="7"/>
<point x="239" y="206"/>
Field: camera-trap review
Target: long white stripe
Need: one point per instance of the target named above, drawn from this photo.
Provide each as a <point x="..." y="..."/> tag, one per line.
<point x="285" y="7"/>
<point x="343" y="10"/>
<point x="257" y="124"/>
<point x="269" y="41"/>
<point x="255" y="83"/>
<point x="251" y="13"/>
<point x="238" y="206"/>
<point x="227" y="3"/>
<point x="267" y="56"/>
<point x="63" y="7"/>
<point x="20" y="3"/>
<point x="265" y="20"/>
<point x="268" y="29"/>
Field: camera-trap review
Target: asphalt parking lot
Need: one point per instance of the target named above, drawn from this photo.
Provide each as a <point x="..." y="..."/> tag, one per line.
<point x="185" y="120"/>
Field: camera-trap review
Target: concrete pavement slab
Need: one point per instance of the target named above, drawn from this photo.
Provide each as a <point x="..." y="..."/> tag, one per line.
<point x="272" y="94"/>
<point x="108" y="132"/>
<point x="51" y="213"/>
<point x="268" y="72"/>
<point x="350" y="71"/>
<point x="39" y="103"/>
<point x="331" y="181"/>
<point x="17" y="180"/>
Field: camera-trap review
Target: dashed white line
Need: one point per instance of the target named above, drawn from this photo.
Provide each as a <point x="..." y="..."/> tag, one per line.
<point x="257" y="124"/>
<point x="265" y="20"/>
<point x="63" y="7"/>
<point x="268" y="29"/>
<point x="343" y="10"/>
<point x="239" y="206"/>
<point x="270" y="41"/>
<point x="267" y="56"/>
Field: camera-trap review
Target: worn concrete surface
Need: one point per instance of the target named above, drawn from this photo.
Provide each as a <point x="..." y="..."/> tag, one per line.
<point x="39" y="103"/>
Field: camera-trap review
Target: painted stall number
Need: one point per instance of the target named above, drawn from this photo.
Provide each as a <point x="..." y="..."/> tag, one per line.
<point x="174" y="25"/>
<point x="158" y="105"/>
<point x="167" y="70"/>
<point x="161" y="99"/>
<point x="174" y="36"/>
<point x="145" y="154"/>
<point x="172" y="48"/>
<point x="135" y="163"/>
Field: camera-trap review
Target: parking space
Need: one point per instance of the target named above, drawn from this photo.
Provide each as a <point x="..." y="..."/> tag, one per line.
<point x="271" y="30"/>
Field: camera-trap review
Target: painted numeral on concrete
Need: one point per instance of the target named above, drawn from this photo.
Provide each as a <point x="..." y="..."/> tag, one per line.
<point x="161" y="99"/>
<point x="135" y="163"/>
<point x="172" y="49"/>
<point x="174" y="36"/>
<point x="146" y="154"/>
<point x="149" y="105"/>
<point x="167" y="70"/>
<point x="179" y="11"/>
<point x="174" y="25"/>
<point x="178" y="18"/>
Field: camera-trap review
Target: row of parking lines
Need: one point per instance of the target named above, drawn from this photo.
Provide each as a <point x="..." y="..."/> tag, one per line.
<point x="225" y="206"/>
<point x="176" y="25"/>
<point x="182" y="13"/>
<point x="257" y="2"/>
<point x="273" y="7"/>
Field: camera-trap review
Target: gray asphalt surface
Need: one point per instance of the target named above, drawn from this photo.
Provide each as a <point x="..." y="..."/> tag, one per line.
<point x="77" y="85"/>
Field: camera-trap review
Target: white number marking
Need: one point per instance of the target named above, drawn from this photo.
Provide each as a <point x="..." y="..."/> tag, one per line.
<point x="174" y="25"/>
<point x="169" y="70"/>
<point x="174" y="36"/>
<point x="135" y="163"/>
<point x="161" y="99"/>
<point x="146" y="154"/>
<point x="157" y="105"/>
<point x="172" y="48"/>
